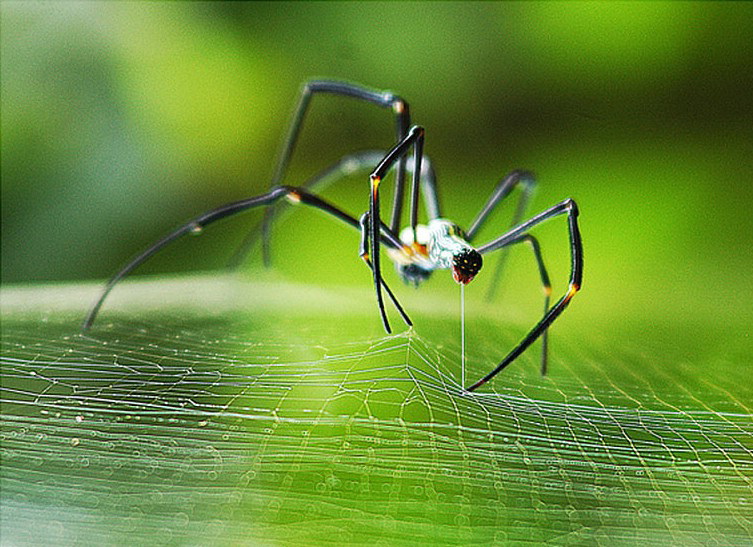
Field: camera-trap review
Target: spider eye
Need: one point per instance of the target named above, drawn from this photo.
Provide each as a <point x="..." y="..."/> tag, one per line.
<point x="465" y="265"/>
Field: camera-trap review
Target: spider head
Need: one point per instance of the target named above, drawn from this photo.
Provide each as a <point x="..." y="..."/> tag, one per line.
<point x="465" y="265"/>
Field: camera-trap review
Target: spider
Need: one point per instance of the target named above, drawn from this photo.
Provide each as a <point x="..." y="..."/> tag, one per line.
<point x="418" y="249"/>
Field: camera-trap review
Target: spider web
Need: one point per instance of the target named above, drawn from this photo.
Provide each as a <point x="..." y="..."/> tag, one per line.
<point x="286" y="425"/>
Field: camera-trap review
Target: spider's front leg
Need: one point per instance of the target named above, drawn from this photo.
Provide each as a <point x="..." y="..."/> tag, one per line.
<point x="569" y="208"/>
<point x="364" y="254"/>
<point x="415" y="139"/>
<point x="293" y="194"/>
<point x="354" y="163"/>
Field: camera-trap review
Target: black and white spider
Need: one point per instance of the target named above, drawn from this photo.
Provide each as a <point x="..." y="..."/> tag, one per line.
<point x="417" y="250"/>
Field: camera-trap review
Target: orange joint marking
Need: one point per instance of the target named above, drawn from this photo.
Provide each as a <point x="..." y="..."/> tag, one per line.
<point x="293" y="197"/>
<point x="398" y="107"/>
<point x="547" y="291"/>
<point x="374" y="185"/>
<point x="571" y="290"/>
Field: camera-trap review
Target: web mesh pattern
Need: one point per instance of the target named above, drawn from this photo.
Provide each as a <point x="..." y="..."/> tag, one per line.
<point x="235" y="430"/>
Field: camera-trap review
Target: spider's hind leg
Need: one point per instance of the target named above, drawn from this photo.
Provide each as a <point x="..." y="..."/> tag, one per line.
<point x="361" y="161"/>
<point x="546" y="287"/>
<point x="382" y="99"/>
<point x="569" y="208"/>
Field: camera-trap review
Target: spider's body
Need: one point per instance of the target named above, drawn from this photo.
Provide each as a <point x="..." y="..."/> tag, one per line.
<point x="438" y="245"/>
<point x="417" y="250"/>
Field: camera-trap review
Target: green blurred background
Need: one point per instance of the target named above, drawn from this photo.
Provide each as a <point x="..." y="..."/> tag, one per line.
<point x="122" y="120"/>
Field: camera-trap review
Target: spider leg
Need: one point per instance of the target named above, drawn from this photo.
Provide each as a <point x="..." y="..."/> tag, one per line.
<point x="418" y="154"/>
<point x="526" y="181"/>
<point x="301" y="195"/>
<point x="383" y="99"/>
<point x="350" y="164"/>
<point x="569" y="208"/>
<point x="545" y="285"/>
<point x="364" y="254"/>
<point x="297" y="195"/>
<point x="429" y="188"/>
<point x="413" y="139"/>
<point x="342" y="168"/>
